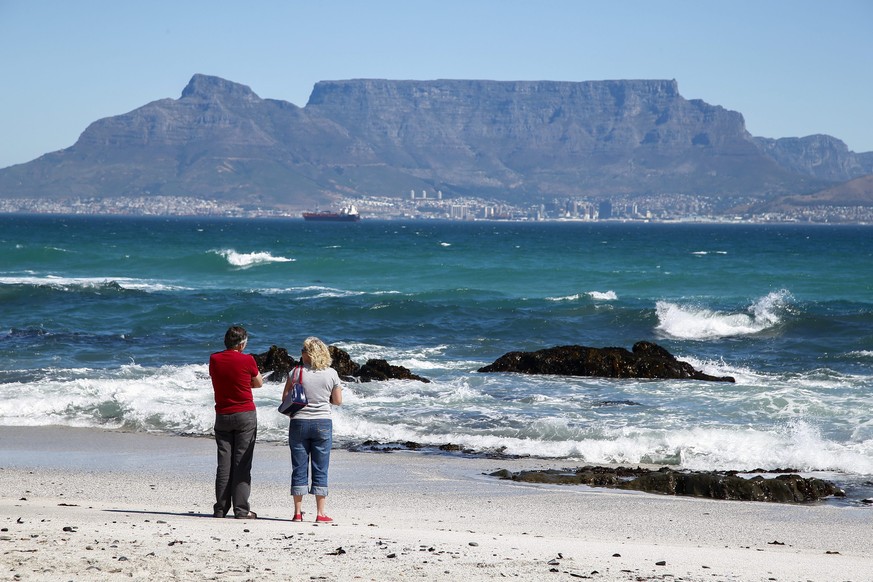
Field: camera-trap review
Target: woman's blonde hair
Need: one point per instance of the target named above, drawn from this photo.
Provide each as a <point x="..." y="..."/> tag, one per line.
<point x="319" y="355"/>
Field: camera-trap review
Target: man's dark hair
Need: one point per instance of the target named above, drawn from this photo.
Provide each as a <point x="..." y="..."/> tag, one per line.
<point x="235" y="336"/>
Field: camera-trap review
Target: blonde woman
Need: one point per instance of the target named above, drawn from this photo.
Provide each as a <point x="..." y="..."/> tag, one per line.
<point x="310" y="433"/>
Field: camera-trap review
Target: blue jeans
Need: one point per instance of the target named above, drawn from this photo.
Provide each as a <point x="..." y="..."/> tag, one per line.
<point x="310" y="442"/>
<point x="235" y="436"/>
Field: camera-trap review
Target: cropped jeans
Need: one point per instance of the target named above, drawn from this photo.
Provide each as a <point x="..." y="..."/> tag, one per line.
<point x="235" y="437"/>
<point x="310" y="442"/>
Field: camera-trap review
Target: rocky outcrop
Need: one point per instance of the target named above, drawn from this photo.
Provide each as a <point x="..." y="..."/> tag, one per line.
<point x="783" y="488"/>
<point x="373" y="369"/>
<point x="275" y="364"/>
<point x="343" y="363"/>
<point x="647" y="360"/>
<point x="516" y="140"/>
<point x="376" y="369"/>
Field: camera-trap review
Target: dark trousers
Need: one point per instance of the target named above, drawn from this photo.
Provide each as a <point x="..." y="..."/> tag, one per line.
<point x="235" y="436"/>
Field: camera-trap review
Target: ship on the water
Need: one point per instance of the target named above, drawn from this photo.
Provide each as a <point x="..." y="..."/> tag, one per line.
<point x="346" y="214"/>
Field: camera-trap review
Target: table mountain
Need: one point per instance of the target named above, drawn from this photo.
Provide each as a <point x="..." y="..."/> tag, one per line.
<point x="521" y="141"/>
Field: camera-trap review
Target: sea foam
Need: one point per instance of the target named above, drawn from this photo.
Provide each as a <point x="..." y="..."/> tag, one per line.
<point x="700" y="323"/>
<point x="603" y="295"/>
<point x="548" y="418"/>
<point x="595" y="295"/>
<point x="77" y="283"/>
<point x="248" y="260"/>
<point x="168" y="399"/>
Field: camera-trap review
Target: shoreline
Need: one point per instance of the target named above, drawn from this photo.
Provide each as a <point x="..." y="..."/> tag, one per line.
<point x="858" y="489"/>
<point x="297" y="215"/>
<point x="88" y="503"/>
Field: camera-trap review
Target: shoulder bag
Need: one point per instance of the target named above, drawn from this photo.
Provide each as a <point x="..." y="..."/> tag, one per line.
<point x="296" y="397"/>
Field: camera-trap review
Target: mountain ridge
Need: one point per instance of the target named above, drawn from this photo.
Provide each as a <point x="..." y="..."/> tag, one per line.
<point x="515" y="140"/>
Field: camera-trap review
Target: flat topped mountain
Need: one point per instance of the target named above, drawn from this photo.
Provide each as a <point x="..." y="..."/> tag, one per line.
<point x="517" y="140"/>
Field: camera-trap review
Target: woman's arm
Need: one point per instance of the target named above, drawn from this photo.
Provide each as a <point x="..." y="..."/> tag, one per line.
<point x="336" y="395"/>
<point x="287" y="387"/>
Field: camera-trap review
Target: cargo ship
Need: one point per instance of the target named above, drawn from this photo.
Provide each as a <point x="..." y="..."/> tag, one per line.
<point x="346" y="214"/>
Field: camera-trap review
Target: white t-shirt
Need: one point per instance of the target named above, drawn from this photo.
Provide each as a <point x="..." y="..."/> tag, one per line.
<point x="318" y="385"/>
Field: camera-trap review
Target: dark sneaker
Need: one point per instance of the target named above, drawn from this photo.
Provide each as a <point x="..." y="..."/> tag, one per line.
<point x="249" y="515"/>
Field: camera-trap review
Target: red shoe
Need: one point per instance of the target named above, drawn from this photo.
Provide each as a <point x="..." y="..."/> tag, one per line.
<point x="297" y="517"/>
<point x="323" y="519"/>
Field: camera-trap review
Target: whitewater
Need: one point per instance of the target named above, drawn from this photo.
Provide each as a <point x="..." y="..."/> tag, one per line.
<point x="109" y="322"/>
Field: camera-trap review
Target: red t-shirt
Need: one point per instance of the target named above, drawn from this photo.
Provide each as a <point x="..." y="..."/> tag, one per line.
<point x="232" y="374"/>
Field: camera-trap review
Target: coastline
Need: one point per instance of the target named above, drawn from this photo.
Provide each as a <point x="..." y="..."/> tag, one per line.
<point x="86" y="503"/>
<point x="26" y="208"/>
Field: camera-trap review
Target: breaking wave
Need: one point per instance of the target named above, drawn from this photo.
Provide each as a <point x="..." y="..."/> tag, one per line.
<point x="595" y="295"/>
<point x="247" y="260"/>
<point x="699" y="323"/>
<point x="79" y="283"/>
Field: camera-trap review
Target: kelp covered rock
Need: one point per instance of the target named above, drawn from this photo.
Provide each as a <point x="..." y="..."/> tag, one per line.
<point x="783" y="488"/>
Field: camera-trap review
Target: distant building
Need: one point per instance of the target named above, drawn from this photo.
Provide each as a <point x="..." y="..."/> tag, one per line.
<point x="459" y="212"/>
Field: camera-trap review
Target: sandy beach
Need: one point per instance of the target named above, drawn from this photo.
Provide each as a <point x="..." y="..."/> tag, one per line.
<point x="84" y="504"/>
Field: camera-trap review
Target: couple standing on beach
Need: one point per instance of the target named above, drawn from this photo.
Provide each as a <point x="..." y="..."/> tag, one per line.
<point x="310" y="433"/>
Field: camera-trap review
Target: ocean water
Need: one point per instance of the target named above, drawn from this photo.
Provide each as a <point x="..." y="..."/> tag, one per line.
<point x="109" y="322"/>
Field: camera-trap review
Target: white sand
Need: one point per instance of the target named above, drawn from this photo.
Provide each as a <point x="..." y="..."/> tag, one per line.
<point x="80" y="504"/>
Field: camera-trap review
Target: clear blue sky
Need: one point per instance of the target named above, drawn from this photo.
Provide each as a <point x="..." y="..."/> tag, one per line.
<point x="791" y="67"/>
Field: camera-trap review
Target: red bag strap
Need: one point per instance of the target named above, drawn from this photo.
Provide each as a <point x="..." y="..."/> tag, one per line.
<point x="300" y="374"/>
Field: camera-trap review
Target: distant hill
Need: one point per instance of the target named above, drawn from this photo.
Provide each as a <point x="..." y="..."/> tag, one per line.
<point x="521" y="141"/>
<point x="857" y="192"/>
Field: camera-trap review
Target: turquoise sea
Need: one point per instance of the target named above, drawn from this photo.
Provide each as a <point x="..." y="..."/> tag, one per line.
<point x="109" y="322"/>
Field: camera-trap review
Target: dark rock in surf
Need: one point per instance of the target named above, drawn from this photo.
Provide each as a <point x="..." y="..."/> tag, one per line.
<point x="275" y="364"/>
<point x="374" y="369"/>
<point x="382" y="370"/>
<point x="647" y="360"/>
<point x="343" y="364"/>
<point x="789" y="488"/>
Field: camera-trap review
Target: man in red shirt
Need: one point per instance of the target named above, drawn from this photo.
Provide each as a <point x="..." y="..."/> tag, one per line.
<point x="234" y="374"/>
